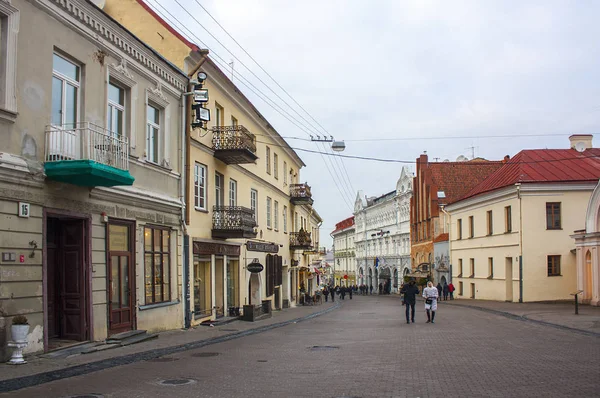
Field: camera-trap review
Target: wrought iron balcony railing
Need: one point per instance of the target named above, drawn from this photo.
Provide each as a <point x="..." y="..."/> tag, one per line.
<point x="234" y="144"/>
<point x="300" y="240"/>
<point x="300" y="194"/>
<point x="233" y="222"/>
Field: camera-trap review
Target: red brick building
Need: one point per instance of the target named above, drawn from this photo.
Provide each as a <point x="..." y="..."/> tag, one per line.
<point x="435" y="185"/>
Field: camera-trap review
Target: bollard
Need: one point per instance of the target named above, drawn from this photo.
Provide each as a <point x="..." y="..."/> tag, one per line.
<point x="575" y="295"/>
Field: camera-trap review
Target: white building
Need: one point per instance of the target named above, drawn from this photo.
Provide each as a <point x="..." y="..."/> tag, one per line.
<point x="344" y="261"/>
<point x="383" y="235"/>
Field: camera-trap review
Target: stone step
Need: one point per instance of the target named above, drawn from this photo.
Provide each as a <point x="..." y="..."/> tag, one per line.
<point x="124" y="335"/>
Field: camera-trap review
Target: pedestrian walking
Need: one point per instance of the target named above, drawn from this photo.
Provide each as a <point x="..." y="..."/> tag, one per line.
<point x="332" y="292"/>
<point x="380" y="288"/>
<point x="326" y="294"/>
<point x="445" y="290"/>
<point x="350" y="291"/>
<point x="439" y="289"/>
<point x="371" y="287"/>
<point x="430" y="294"/>
<point x="409" y="299"/>
<point x="451" y="290"/>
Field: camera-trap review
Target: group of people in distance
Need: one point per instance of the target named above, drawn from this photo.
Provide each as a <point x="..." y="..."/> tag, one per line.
<point x="431" y="294"/>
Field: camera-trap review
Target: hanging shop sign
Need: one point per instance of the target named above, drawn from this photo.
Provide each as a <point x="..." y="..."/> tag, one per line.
<point x="262" y="247"/>
<point x="255" y="266"/>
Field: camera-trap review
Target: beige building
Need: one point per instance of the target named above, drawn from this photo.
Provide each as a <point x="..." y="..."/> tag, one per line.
<point x="510" y="236"/>
<point x="245" y="202"/>
<point x="90" y="176"/>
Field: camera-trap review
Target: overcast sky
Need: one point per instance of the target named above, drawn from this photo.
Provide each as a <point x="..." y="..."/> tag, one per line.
<point x="382" y="69"/>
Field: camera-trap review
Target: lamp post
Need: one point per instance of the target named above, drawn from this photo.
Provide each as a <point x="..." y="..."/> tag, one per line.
<point x="337" y="146"/>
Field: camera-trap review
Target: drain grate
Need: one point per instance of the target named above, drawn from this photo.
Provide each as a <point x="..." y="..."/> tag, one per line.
<point x="206" y="354"/>
<point x="323" y="347"/>
<point x="176" y="382"/>
<point x="163" y="359"/>
<point x="262" y="360"/>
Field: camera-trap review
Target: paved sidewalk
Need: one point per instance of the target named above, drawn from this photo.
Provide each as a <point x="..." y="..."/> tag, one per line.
<point x="552" y="314"/>
<point x="37" y="365"/>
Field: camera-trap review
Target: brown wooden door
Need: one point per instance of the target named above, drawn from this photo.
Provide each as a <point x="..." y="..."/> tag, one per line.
<point x="121" y="277"/>
<point x="71" y="297"/>
<point x="51" y="281"/>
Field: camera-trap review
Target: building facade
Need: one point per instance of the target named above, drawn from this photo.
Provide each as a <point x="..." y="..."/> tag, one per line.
<point x="90" y="176"/>
<point x="383" y="236"/>
<point x="510" y="236"/>
<point x="344" y="255"/>
<point x="245" y="202"/>
<point x="436" y="185"/>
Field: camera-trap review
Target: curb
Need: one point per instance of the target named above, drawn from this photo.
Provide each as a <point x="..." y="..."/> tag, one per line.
<point x="83" y="369"/>
<point x="524" y="318"/>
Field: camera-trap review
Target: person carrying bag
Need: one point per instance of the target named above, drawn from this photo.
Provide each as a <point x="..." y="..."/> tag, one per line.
<point x="430" y="293"/>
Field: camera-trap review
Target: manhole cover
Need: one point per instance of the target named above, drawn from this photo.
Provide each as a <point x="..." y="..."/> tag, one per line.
<point x="176" y="382"/>
<point x="261" y="360"/>
<point x="163" y="359"/>
<point x="324" y="347"/>
<point x="229" y="330"/>
<point x="205" y="354"/>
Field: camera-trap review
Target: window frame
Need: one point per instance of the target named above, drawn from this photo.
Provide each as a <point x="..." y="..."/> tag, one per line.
<point x="556" y="269"/>
<point x="269" y="204"/>
<point x="275" y="165"/>
<point x="490" y="267"/>
<point x="154" y="125"/>
<point x="118" y="107"/>
<point x="285" y="179"/>
<point x="153" y="254"/>
<point x="472" y="267"/>
<point x="471" y="227"/>
<point x="507" y="219"/>
<point x="254" y="203"/>
<point x="285" y="219"/>
<point x="219" y="189"/>
<point x="459" y="228"/>
<point x="219" y="115"/>
<point x="232" y="192"/>
<point x="268" y="160"/>
<point x="198" y="187"/>
<point x="551" y="206"/>
<point x="276" y="215"/>
<point x="9" y="32"/>
<point x="490" y="222"/>
<point x="66" y="81"/>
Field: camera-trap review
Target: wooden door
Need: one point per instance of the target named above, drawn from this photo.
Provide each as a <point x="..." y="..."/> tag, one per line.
<point x="121" y="296"/>
<point x="52" y="286"/>
<point x="71" y="274"/>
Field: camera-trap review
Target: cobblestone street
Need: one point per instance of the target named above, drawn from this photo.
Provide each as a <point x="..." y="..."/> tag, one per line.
<point x="366" y="349"/>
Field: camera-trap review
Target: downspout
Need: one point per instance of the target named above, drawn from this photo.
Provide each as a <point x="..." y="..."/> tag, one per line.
<point x="520" y="243"/>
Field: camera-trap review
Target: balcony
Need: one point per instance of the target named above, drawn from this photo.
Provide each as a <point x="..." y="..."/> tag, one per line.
<point x="233" y="222"/>
<point x="234" y="144"/>
<point x="300" y="240"/>
<point x="300" y="194"/>
<point x="86" y="155"/>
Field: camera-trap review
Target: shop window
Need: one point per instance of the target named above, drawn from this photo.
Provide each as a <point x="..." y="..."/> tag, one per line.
<point x="157" y="263"/>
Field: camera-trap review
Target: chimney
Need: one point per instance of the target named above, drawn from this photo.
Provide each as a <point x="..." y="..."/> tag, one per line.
<point x="581" y="142"/>
<point x="506" y="159"/>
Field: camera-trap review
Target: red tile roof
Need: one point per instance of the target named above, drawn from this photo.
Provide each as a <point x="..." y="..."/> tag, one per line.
<point x="455" y="179"/>
<point x="348" y="222"/>
<point x="442" y="237"/>
<point x="544" y="165"/>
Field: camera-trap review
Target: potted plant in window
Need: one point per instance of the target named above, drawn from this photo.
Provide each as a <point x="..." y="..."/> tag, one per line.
<point x="19" y="330"/>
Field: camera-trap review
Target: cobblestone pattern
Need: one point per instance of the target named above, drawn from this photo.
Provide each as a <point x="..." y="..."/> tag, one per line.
<point x="466" y="353"/>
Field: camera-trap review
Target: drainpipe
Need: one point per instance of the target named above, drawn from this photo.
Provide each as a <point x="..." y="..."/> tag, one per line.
<point x="520" y="244"/>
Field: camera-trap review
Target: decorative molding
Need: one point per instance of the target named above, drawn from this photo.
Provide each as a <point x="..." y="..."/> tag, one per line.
<point x="158" y="92"/>
<point x="122" y="73"/>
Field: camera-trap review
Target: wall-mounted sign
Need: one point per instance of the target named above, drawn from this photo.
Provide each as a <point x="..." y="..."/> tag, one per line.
<point x="216" y="248"/>
<point x="262" y="247"/>
<point x="23" y="209"/>
<point x="255" y="267"/>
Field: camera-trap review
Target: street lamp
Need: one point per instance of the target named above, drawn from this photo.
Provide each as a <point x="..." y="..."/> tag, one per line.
<point x="337" y="146"/>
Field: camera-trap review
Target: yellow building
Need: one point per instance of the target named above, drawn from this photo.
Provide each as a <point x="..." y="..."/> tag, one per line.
<point x="510" y="236"/>
<point x="244" y="200"/>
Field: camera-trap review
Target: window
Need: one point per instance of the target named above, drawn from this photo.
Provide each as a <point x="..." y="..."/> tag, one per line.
<point x="9" y="28"/>
<point x="296" y="229"/>
<point x="472" y="290"/>
<point x="460" y="268"/>
<point x="276" y="215"/>
<point x="268" y="212"/>
<point x="268" y="160"/>
<point x="490" y="223"/>
<point x="219" y="189"/>
<point x="553" y="215"/>
<point x="202" y="286"/>
<point x="490" y="267"/>
<point x="460" y="288"/>
<point x="65" y="92"/>
<point x="285" y="219"/>
<point x="232" y="192"/>
<point x="200" y="186"/>
<point x="472" y="268"/>
<point x="459" y="228"/>
<point x="253" y="203"/>
<point x="219" y="114"/>
<point x="153" y="131"/>
<point x="157" y="264"/>
<point x="507" y="219"/>
<point x="234" y="121"/>
<point x="275" y="166"/>
<point x="553" y="265"/>
<point x="284" y="173"/>
<point x="115" y="119"/>
<point x="471" y="227"/>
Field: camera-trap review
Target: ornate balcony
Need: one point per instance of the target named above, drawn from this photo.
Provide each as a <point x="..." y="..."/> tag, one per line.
<point x="234" y="144"/>
<point x="87" y="155"/>
<point x="300" y="240"/>
<point x="300" y="194"/>
<point x="233" y="222"/>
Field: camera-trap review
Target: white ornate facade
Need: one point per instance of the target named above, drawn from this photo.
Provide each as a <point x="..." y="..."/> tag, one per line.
<point x="383" y="235"/>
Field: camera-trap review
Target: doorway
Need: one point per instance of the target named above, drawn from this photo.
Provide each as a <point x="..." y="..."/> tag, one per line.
<point x="219" y="286"/>
<point x="121" y="276"/>
<point x="508" y="276"/>
<point x="66" y="280"/>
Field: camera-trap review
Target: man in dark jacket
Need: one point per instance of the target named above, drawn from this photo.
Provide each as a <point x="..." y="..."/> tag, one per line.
<point x="410" y="292"/>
